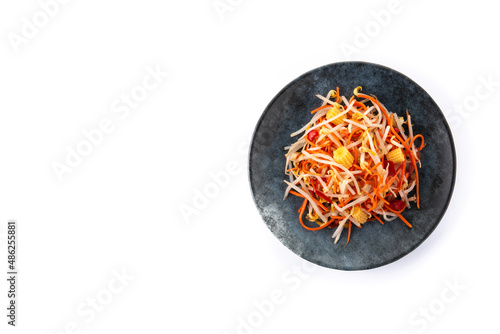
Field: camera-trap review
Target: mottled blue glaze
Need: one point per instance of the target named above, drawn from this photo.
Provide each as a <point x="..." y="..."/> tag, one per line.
<point x="374" y="245"/>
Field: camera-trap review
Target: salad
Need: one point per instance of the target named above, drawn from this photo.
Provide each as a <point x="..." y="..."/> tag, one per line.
<point x="354" y="162"/>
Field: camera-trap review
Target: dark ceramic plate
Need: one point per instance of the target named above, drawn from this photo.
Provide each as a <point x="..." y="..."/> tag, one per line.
<point x="374" y="245"/>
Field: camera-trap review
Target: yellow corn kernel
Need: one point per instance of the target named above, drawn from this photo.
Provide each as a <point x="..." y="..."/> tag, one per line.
<point x="396" y="156"/>
<point x="359" y="215"/>
<point x="334" y="111"/>
<point x="343" y="157"/>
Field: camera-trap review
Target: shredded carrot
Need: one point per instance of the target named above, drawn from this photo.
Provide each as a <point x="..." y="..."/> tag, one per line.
<point x="399" y="215"/>
<point x="421" y="145"/>
<point x="293" y="192"/>
<point x="322" y="226"/>
<point x="377" y="218"/>
<point x="348" y="234"/>
<point x="413" y="162"/>
<point x="375" y="101"/>
<point x="318" y="109"/>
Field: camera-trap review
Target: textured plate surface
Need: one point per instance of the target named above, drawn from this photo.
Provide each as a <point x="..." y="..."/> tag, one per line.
<point x="374" y="245"/>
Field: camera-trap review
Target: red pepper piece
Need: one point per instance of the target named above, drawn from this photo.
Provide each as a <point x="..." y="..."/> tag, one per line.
<point x="397" y="205"/>
<point x="323" y="196"/>
<point x="312" y="135"/>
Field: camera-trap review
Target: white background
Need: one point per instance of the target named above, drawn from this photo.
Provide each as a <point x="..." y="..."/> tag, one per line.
<point x="119" y="209"/>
